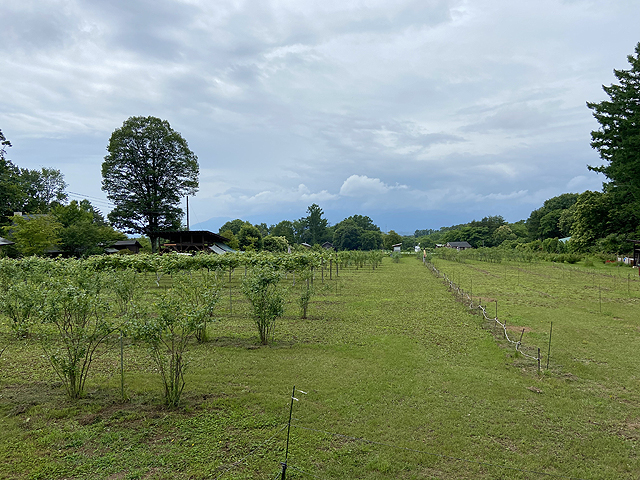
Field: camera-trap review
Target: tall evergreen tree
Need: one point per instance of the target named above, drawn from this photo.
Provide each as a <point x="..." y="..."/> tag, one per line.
<point x="618" y="138"/>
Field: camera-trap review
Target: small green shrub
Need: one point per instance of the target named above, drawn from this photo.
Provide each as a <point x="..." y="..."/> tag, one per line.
<point x="261" y="288"/>
<point x="79" y="316"/>
<point x="305" y="298"/>
<point x="572" y="258"/>
<point x="21" y="303"/>
<point x="180" y="314"/>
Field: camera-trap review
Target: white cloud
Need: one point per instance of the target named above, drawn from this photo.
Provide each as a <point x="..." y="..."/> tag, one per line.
<point x="363" y="186"/>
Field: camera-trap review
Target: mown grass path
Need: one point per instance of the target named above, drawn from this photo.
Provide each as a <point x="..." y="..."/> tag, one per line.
<point x="391" y="358"/>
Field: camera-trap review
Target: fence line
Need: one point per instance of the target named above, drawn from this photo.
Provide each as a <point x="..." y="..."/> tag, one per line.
<point x="465" y="296"/>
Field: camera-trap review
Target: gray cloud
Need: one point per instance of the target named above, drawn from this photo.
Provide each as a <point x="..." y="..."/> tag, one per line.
<point x="363" y="107"/>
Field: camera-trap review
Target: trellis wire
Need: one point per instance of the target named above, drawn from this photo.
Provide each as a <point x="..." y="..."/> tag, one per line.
<point x="461" y="293"/>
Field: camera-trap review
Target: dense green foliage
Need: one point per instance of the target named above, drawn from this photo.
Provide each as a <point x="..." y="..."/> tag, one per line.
<point x="267" y="300"/>
<point x="48" y="225"/>
<point x="618" y="139"/>
<point x="24" y="190"/>
<point x="147" y="171"/>
<point x="357" y="232"/>
<point x="554" y="219"/>
<point x="250" y="238"/>
<point x="389" y="357"/>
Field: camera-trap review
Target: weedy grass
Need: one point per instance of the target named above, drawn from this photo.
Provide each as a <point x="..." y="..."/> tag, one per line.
<point x="401" y="380"/>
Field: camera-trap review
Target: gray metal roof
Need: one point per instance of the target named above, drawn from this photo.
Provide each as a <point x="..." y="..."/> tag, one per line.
<point x="4" y="241"/>
<point x="126" y="243"/>
<point x="459" y="244"/>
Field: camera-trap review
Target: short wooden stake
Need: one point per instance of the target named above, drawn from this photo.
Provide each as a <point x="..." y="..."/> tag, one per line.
<point x="121" y="367"/>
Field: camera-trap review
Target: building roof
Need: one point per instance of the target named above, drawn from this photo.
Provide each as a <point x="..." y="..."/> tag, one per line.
<point x="194" y="237"/>
<point x="127" y="243"/>
<point x="459" y="244"/>
<point x="220" y="248"/>
<point x="397" y="245"/>
<point x="4" y="241"/>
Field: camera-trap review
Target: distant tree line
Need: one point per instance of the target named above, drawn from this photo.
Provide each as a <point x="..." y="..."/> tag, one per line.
<point x="357" y="232"/>
<point x="596" y="221"/>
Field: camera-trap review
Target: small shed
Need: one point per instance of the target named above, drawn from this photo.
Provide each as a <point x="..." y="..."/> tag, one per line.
<point x="305" y="245"/>
<point x="132" y="245"/>
<point x="636" y="252"/>
<point x="328" y="246"/>
<point x="190" y="241"/>
<point x="458" y="245"/>
<point x="397" y="247"/>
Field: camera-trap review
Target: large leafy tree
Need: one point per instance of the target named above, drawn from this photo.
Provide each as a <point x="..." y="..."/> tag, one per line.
<point x="84" y="230"/>
<point x="357" y="232"/>
<point x="34" y="235"/>
<point x="250" y="238"/>
<point x="347" y="235"/>
<point x="24" y="190"/>
<point x="233" y="226"/>
<point x="548" y="221"/>
<point x="618" y="138"/>
<point x="284" y="229"/>
<point x="148" y="170"/>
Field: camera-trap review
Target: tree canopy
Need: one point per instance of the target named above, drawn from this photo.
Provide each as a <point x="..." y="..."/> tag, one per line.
<point x="28" y="191"/>
<point x="554" y="218"/>
<point x="233" y="226"/>
<point x="148" y="169"/>
<point x="357" y="232"/>
<point x="618" y="138"/>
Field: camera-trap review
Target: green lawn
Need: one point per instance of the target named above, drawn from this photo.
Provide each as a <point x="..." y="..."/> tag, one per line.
<point x="387" y="356"/>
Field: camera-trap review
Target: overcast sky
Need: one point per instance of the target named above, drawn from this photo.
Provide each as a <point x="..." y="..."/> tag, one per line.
<point x="419" y="114"/>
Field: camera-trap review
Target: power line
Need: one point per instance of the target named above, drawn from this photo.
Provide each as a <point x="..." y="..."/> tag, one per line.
<point x="94" y="199"/>
<point x="359" y="439"/>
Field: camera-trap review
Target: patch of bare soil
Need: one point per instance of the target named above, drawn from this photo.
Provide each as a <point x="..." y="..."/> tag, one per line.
<point x="514" y="328"/>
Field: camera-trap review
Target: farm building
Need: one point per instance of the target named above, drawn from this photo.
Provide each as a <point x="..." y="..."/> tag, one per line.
<point x="328" y="246"/>
<point x="397" y="247"/>
<point x="191" y="241"/>
<point x="458" y="245"/>
<point x="132" y="245"/>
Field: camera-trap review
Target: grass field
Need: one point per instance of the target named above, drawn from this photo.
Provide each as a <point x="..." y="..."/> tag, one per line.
<point x="402" y="382"/>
